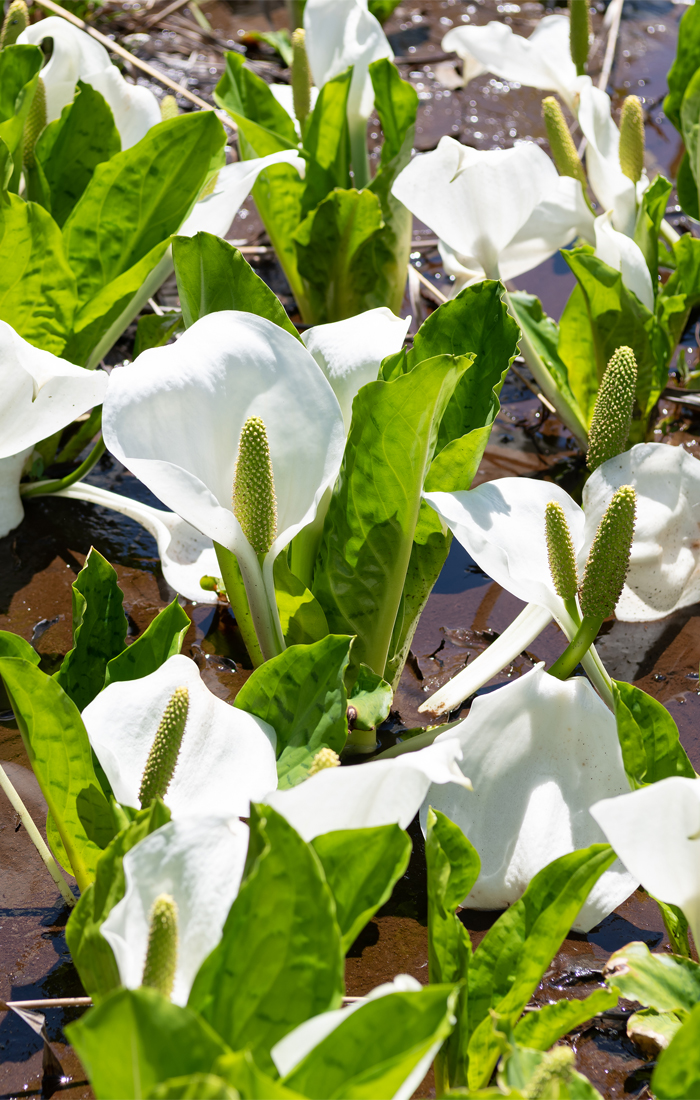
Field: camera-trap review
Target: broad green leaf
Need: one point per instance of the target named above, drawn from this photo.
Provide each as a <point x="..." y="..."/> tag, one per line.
<point x="664" y="982"/>
<point x="646" y="232"/>
<point x="371" y="697"/>
<point x="514" y="954"/>
<point x="690" y="123"/>
<point x="11" y="645"/>
<point x="37" y="287"/>
<point x="139" y="198"/>
<point x="71" y="147"/>
<point x="248" y="99"/>
<point x="89" y="950"/>
<point x="677" y="1073"/>
<point x="59" y="751"/>
<point x="651" y="749"/>
<point x="154" y="330"/>
<point x="683" y="284"/>
<point x="213" y="275"/>
<point x="543" y="334"/>
<point x="301" y="615"/>
<point x="241" y="1073"/>
<point x="453" y="868"/>
<point x="577" y="353"/>
<point x="277" y="192"/>
<point x="685" y="65"/>
<point x="279" y="40"/>
<point x="327" y="143"/>
<point x="19" y="76"/>
<point x="339" y="254"/>
<point x="194" y="1086"/>
<point x="524" y="1072"/>
<point x="676" y="925"/>
<point x="396" y="103"/>
<point x="656" y="1029"/>
<point x="368" y="534"/>
<point x="160" y="640"/>
<point x="99" y="630"/>
<point x="541" y="1030"/>
<point x="687" y="188"/>
<point x="301" y="693"/>
<point x="280" y="959"/>
<point x="362" y="866"/>
<point x="377" y="1047"/>
<point x="136" y="1038"/>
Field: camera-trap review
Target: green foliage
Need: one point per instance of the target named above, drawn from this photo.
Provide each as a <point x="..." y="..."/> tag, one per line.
<point x="540" y="1030"/>
<point x="280" y="959"/>
<point x="19" y="77"/>
<point x="677" y="1073"/>
<point x="651" y="749"/>
<point x="99" y="630"/>
<point x="80" y="821"/>
<point x="212" y="275"/>
<point x="161" y="639"/>
<point x="301" y="615"/>
<point x="89" y="950"/>
<point x="667" y="983"/>
<point x="371" y="697"/>
<point x="684" y="66"/>
<point x="154" y="330"/>
<point x="361" y="866"/>
<point x="301" y="693"/>
<point x="646" y="232"/>
<point x="543" y="334"/>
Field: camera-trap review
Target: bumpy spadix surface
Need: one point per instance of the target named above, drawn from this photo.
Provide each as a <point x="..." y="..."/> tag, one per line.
<point x="614" y="190"/>
<point x="664" y="571"/>
<point x="539" y="753"/>
<point x="226" y="757"/>
<point x="253" y="498"/>
<point x="161" y="955"/>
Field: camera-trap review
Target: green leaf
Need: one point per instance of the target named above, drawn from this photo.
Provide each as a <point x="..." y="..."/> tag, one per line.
<point x="71" y="147"/>
<point x="690" y="123"/>
<point x="301" y="693"/>
<point x="381" y="9"/>
<point x="683" y="285"/>
<point x="327" y="143"/>
<point x="154" y="330"/>
<point x="514" y="954"/>
<point x="677" y="1073"/>
<point x="194" y="1086"/>
<point x="337" y="253"/>
<point x="651" y="749"/>
<point x="241" y="1073"/>
<point x="676" y="926"/>
<point x="11" y="645"/>
<point x="89" y="949"/>
<point x="651" y="1029"/>
<point x="396" y="103"/>
<point x="37" y="287"/>
<point x="160" y="640"/>
<point x="369" y="529"/>
<point x="213" y="275"/>
<point x="540" y="1030"/>
<point x="279" y="40"/>
<point x="664" y="982"/>
<point x="99" y="630"/>
<point x="280" y="959"/>
<point x="375" y="1049"/>
<point x="136" y="1038"/>
<point x="687" y="188"/>
<point x="59" y="751"/>
<point x="453" y="868"/>
<point x="19" y="77"/>
<point x="362" y="866"/>
<point x="301" y="615"/>
<point x="371" y="697"/>
<point x="543" y="335"/>
<point x="139" y="198"/>
<point x="646" y="232"/>
<point x="685" y="65"/>
<point x="248" y="100"/>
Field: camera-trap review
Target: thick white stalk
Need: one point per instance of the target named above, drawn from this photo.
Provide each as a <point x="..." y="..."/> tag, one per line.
<point x="36" y="837"/>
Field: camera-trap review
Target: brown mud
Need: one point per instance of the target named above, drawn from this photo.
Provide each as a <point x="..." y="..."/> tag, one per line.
<point x="39" y="561"/>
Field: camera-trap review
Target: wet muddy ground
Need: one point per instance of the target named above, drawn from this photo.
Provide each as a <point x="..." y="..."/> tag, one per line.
<point x="39" y="561"/>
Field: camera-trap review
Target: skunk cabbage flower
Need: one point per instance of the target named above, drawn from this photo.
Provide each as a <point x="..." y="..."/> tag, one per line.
<point x="381" y="792"/>
<point x="39" y="395"/>
<point x="664" y="572"/>
<point x="541" y="61"/>
<point x="185" y="555"/>
<point x="226" y="756"/>
<point x="656" y="833"/>
<point x="76" y="56"/>
<point x="497" y="213"/>
<point x="613" y="189"/>
<point x="539" y="752"/>
<point x="199" y="863"/>
<point x="622" y="253"/>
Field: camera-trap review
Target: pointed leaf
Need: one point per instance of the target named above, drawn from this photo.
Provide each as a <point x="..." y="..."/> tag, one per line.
<point x="327" y="142"/>
<point x="685" y="65"/>
<point x="541" y="1030"/>
<point x="651" y="749"/>
<point x="663" y="982"/>
<point x="677" y="1073"/>
<point x="160" y="640"/>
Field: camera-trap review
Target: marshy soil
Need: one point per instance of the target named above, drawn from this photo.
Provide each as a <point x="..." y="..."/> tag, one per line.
<point x="466" y="610"/>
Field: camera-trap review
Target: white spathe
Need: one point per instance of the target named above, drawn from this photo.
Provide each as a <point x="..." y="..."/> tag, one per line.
<point x="614" y="190"/>
<point x="541" y="61"/>
<point x="539" y="752"/>
<point x="656" y="833"/>
<point x="664" y="572"/>
<point x="350" y="352"/>
<point x="76" y="56"/>
<point x="497" y="213"/>
<point x="381" y="792"/>
<point x="228" y="367"/>
<point x="200" y="863"/>
<point x="186" y="555"/>
<point x="624" y="255"/>
<point x="39" y="394"/>
<point x="227" y="756"/>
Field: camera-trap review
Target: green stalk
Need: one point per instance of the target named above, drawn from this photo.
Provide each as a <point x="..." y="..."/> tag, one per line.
<point x="36" y="837"/>
<point x="572" y="655"/>
<point x="237" y="597"/>
<point x="43" y="488"/>
<point x="86" y="431"/>
<point x="359" y="155"/>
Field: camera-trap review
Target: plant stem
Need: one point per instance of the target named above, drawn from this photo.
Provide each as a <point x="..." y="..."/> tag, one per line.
<point x="36" y="837"/>
<point x="576" y="649"/>
<point x="87" y="431"/>
<point x="668" y="233"/>
<point x="235" y="590"/>
<point x="43" y="488"/>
